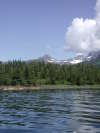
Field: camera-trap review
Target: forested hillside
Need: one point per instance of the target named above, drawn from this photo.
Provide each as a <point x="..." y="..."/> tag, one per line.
<point x="38" y="73"/>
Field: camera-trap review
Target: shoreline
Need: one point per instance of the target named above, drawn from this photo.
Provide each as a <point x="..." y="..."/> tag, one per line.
<point x="48" y="87"/>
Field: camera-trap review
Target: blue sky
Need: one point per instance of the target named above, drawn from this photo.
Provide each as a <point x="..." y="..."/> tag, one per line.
<point x="32" y="28"/>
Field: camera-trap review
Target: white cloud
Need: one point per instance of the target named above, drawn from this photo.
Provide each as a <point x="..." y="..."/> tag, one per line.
<point x="84" y="34"/>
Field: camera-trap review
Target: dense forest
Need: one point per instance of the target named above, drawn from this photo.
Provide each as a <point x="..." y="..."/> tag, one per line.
<point x="40" y="73"/>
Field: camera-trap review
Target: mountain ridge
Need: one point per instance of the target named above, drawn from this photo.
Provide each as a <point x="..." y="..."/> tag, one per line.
<point x="91" y="57"/>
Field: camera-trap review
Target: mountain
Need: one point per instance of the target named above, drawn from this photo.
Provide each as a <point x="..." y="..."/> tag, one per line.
<point x="92" y="57"/>
<point x="77" y="59"/>
<point x="49" y="59"/>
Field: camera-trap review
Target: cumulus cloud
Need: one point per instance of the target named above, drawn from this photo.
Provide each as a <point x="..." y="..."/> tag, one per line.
<point x="84" y="34"/>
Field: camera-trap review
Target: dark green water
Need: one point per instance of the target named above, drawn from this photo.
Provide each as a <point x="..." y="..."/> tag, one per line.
<point x="50" y="112"/>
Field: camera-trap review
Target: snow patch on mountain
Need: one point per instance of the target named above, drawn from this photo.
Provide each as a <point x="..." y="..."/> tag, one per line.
<point x="76" y="60"/>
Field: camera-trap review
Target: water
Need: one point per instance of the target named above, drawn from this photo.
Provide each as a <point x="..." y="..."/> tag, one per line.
<point x="50" y="112"/>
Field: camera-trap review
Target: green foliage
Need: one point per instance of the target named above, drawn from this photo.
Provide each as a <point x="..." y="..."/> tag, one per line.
<point x="40" y="73"/>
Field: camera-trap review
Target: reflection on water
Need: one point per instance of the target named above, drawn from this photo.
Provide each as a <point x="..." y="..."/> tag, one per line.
<point x="50" y="112"/>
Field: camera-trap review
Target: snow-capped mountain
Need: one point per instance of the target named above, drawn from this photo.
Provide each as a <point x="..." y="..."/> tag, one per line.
<point x="94" y="57"/>
<point x="77" y="59"/>
<point x="49" y="59"/>
<point x="89" y="58"/>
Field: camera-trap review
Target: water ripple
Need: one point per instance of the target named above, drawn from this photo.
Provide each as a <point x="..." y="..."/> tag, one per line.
<point x="52" y="112"/>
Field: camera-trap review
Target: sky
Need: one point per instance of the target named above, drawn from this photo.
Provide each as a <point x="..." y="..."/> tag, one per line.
<point x="83" y="35"/>
<point x="32" y="28"/>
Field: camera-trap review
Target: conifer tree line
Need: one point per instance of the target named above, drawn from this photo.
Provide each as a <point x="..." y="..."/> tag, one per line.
<point x="40" y="73"/>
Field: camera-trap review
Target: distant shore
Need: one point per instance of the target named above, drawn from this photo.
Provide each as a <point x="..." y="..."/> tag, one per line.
<point x="48" y="87"/>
